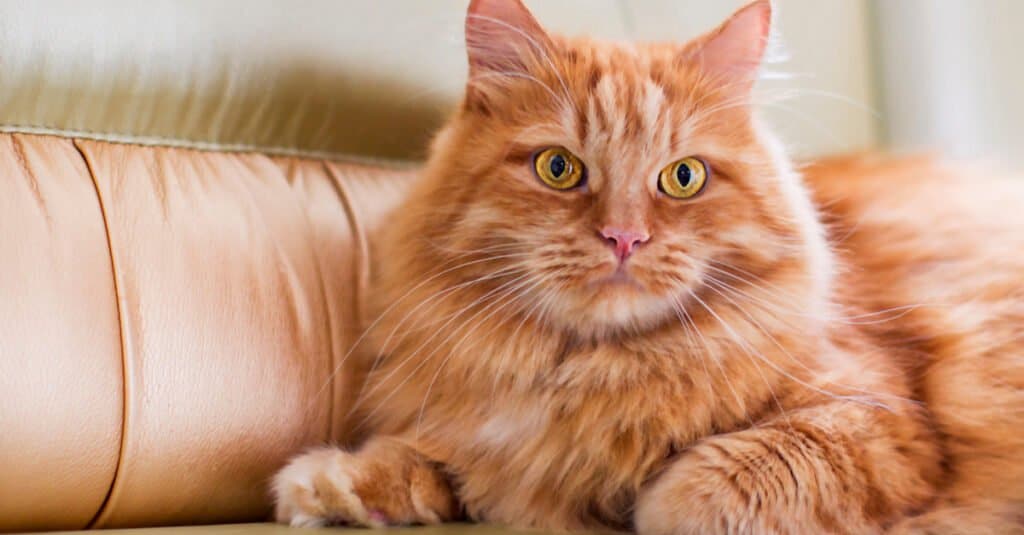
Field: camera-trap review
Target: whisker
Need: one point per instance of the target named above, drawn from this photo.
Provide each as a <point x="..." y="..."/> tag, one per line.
<point x="450" y="318"/>
<point x="900" y="311"/>
<point x="455" y="315"/>
<point x="750" y="351"/>
<point x="501" y="363"/>
<point x="380" y="317"/>
<point x="688" y="325"/>
<point x="814" y="388"/>
<point x="781" y="347"/>
<point x="446" y="291"/>
<point x="505" y="293"/>
<point x="455" y="349"/>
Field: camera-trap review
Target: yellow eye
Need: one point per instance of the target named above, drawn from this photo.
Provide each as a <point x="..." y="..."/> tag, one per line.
<point x="558" y="168"/>
<point x="683" y="179"/>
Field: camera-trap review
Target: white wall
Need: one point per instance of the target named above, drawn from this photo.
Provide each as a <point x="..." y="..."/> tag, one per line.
<point x="370" y="77"/>
<point x="832" y="86"/>
<point x="828" y="101"/>
<point x="953" y="75"/>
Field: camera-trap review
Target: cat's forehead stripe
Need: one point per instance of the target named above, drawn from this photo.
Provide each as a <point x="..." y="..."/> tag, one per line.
<point x="654" y="112"/>
<point x="623" y="108"/>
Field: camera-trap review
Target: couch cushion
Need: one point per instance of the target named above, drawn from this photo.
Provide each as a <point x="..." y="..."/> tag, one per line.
<point x="60" y="348"/>
<point x="171" y="325"/>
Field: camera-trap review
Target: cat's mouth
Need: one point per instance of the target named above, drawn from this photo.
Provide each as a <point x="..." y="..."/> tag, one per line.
<point x="620" y="278"/>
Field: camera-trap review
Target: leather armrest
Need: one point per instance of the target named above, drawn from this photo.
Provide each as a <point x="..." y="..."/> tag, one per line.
<point x="170" y="325"/>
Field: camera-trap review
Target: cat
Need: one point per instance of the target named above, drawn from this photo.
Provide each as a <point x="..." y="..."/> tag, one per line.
<point x="611" y="301"/>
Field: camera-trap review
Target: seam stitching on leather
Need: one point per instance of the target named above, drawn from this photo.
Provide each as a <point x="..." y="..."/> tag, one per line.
<point x="125" y="385"/>
<point x="330" y="311"/>
<point x="361" y="271"/>
<point x="135" y="139"/>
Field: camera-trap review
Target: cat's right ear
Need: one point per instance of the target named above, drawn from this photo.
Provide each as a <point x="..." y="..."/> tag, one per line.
<point x="732" y="53"/>
<point x="502" y="39"/>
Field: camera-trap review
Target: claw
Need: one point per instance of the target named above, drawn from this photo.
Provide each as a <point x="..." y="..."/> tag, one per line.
<point x="378" y="517"/>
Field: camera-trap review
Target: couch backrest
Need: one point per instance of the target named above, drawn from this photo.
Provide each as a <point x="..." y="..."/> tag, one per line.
<point x="358" y="77"/>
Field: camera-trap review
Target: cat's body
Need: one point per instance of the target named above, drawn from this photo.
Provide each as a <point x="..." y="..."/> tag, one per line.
<point x="838" y="353"/>
<point x="950" y="257"/>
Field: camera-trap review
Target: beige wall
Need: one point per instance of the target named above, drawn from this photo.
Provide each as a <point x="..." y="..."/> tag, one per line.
<point x="953" y="76"/>
<point x="365" y="77"/>
<point x="826" y="105"/>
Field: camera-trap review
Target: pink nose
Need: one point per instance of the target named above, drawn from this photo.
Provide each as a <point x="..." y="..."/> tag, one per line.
<point x="624" y="241"/>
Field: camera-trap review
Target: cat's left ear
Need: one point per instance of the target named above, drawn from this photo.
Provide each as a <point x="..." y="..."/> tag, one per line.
<point x="731" y="54"/>
<point x="502" y="37"/>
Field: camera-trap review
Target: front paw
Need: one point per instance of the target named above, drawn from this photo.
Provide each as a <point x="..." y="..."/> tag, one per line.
<point x="384" y="484"/>
<point x="755" y="482"/>
<point x="693" y="496"/>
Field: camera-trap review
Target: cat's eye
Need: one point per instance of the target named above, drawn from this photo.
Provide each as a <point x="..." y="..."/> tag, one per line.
<point x="683" y="179"/>
<point x="558" y="168"/>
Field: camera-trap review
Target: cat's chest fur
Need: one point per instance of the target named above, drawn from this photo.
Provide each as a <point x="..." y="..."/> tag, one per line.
<point x="594" y="422"/>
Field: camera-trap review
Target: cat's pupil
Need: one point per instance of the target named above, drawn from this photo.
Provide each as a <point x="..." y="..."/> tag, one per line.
<point x="683" y="175"/>
<point x="557" y="165"/>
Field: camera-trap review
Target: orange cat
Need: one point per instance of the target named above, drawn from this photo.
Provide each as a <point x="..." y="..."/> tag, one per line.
<point x="611" y="302"/>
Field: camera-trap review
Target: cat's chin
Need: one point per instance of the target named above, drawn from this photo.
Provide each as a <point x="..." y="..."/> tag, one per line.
<point x="619" y="282"/>
<point x="612" y="307"/>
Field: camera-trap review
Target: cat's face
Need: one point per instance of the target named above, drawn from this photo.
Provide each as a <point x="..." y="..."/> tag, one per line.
<point x="611" y="184"/>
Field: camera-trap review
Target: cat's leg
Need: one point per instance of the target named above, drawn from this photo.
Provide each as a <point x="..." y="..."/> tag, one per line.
<point x="384" y="483"/>
<point x="976" y="395"/>
<point x="837" y="468"/>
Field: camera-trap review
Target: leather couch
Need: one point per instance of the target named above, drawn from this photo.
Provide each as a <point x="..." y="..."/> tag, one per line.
<point x="188" y="191"/>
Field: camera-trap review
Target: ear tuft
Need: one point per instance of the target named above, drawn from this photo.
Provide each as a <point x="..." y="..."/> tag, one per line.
<point x="500" y="35"/>
<point x="733" y="52"/>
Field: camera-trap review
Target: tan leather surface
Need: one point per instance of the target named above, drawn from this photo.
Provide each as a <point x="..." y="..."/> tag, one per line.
<point x="226" y="284"/>
<point x="357" y="77"/>
<point x="60" y="356"/>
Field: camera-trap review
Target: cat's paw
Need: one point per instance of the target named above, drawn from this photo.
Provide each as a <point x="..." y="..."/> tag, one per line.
<point x="691" y="498"/>
<point x="384" y="484"/>
<point x="316" y="489"/>
<point x="755" y="482"/>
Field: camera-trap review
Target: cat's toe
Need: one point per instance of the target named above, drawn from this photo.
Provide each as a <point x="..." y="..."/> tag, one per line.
<point x="383" y="483"/>
<point x="316" y="489"/>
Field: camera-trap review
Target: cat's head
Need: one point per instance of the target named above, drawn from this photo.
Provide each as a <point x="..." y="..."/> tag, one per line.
<point x="608" y="186"/>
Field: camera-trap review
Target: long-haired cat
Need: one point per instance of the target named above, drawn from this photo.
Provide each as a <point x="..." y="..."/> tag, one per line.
<point x="610" y="301"/>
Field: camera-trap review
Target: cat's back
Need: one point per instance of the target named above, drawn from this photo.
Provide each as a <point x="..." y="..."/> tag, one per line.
<point x="926" y="248"/>
<point x="931" y="260"/>
<point x="923" y="229"/>
<point x="915" y="189"/>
